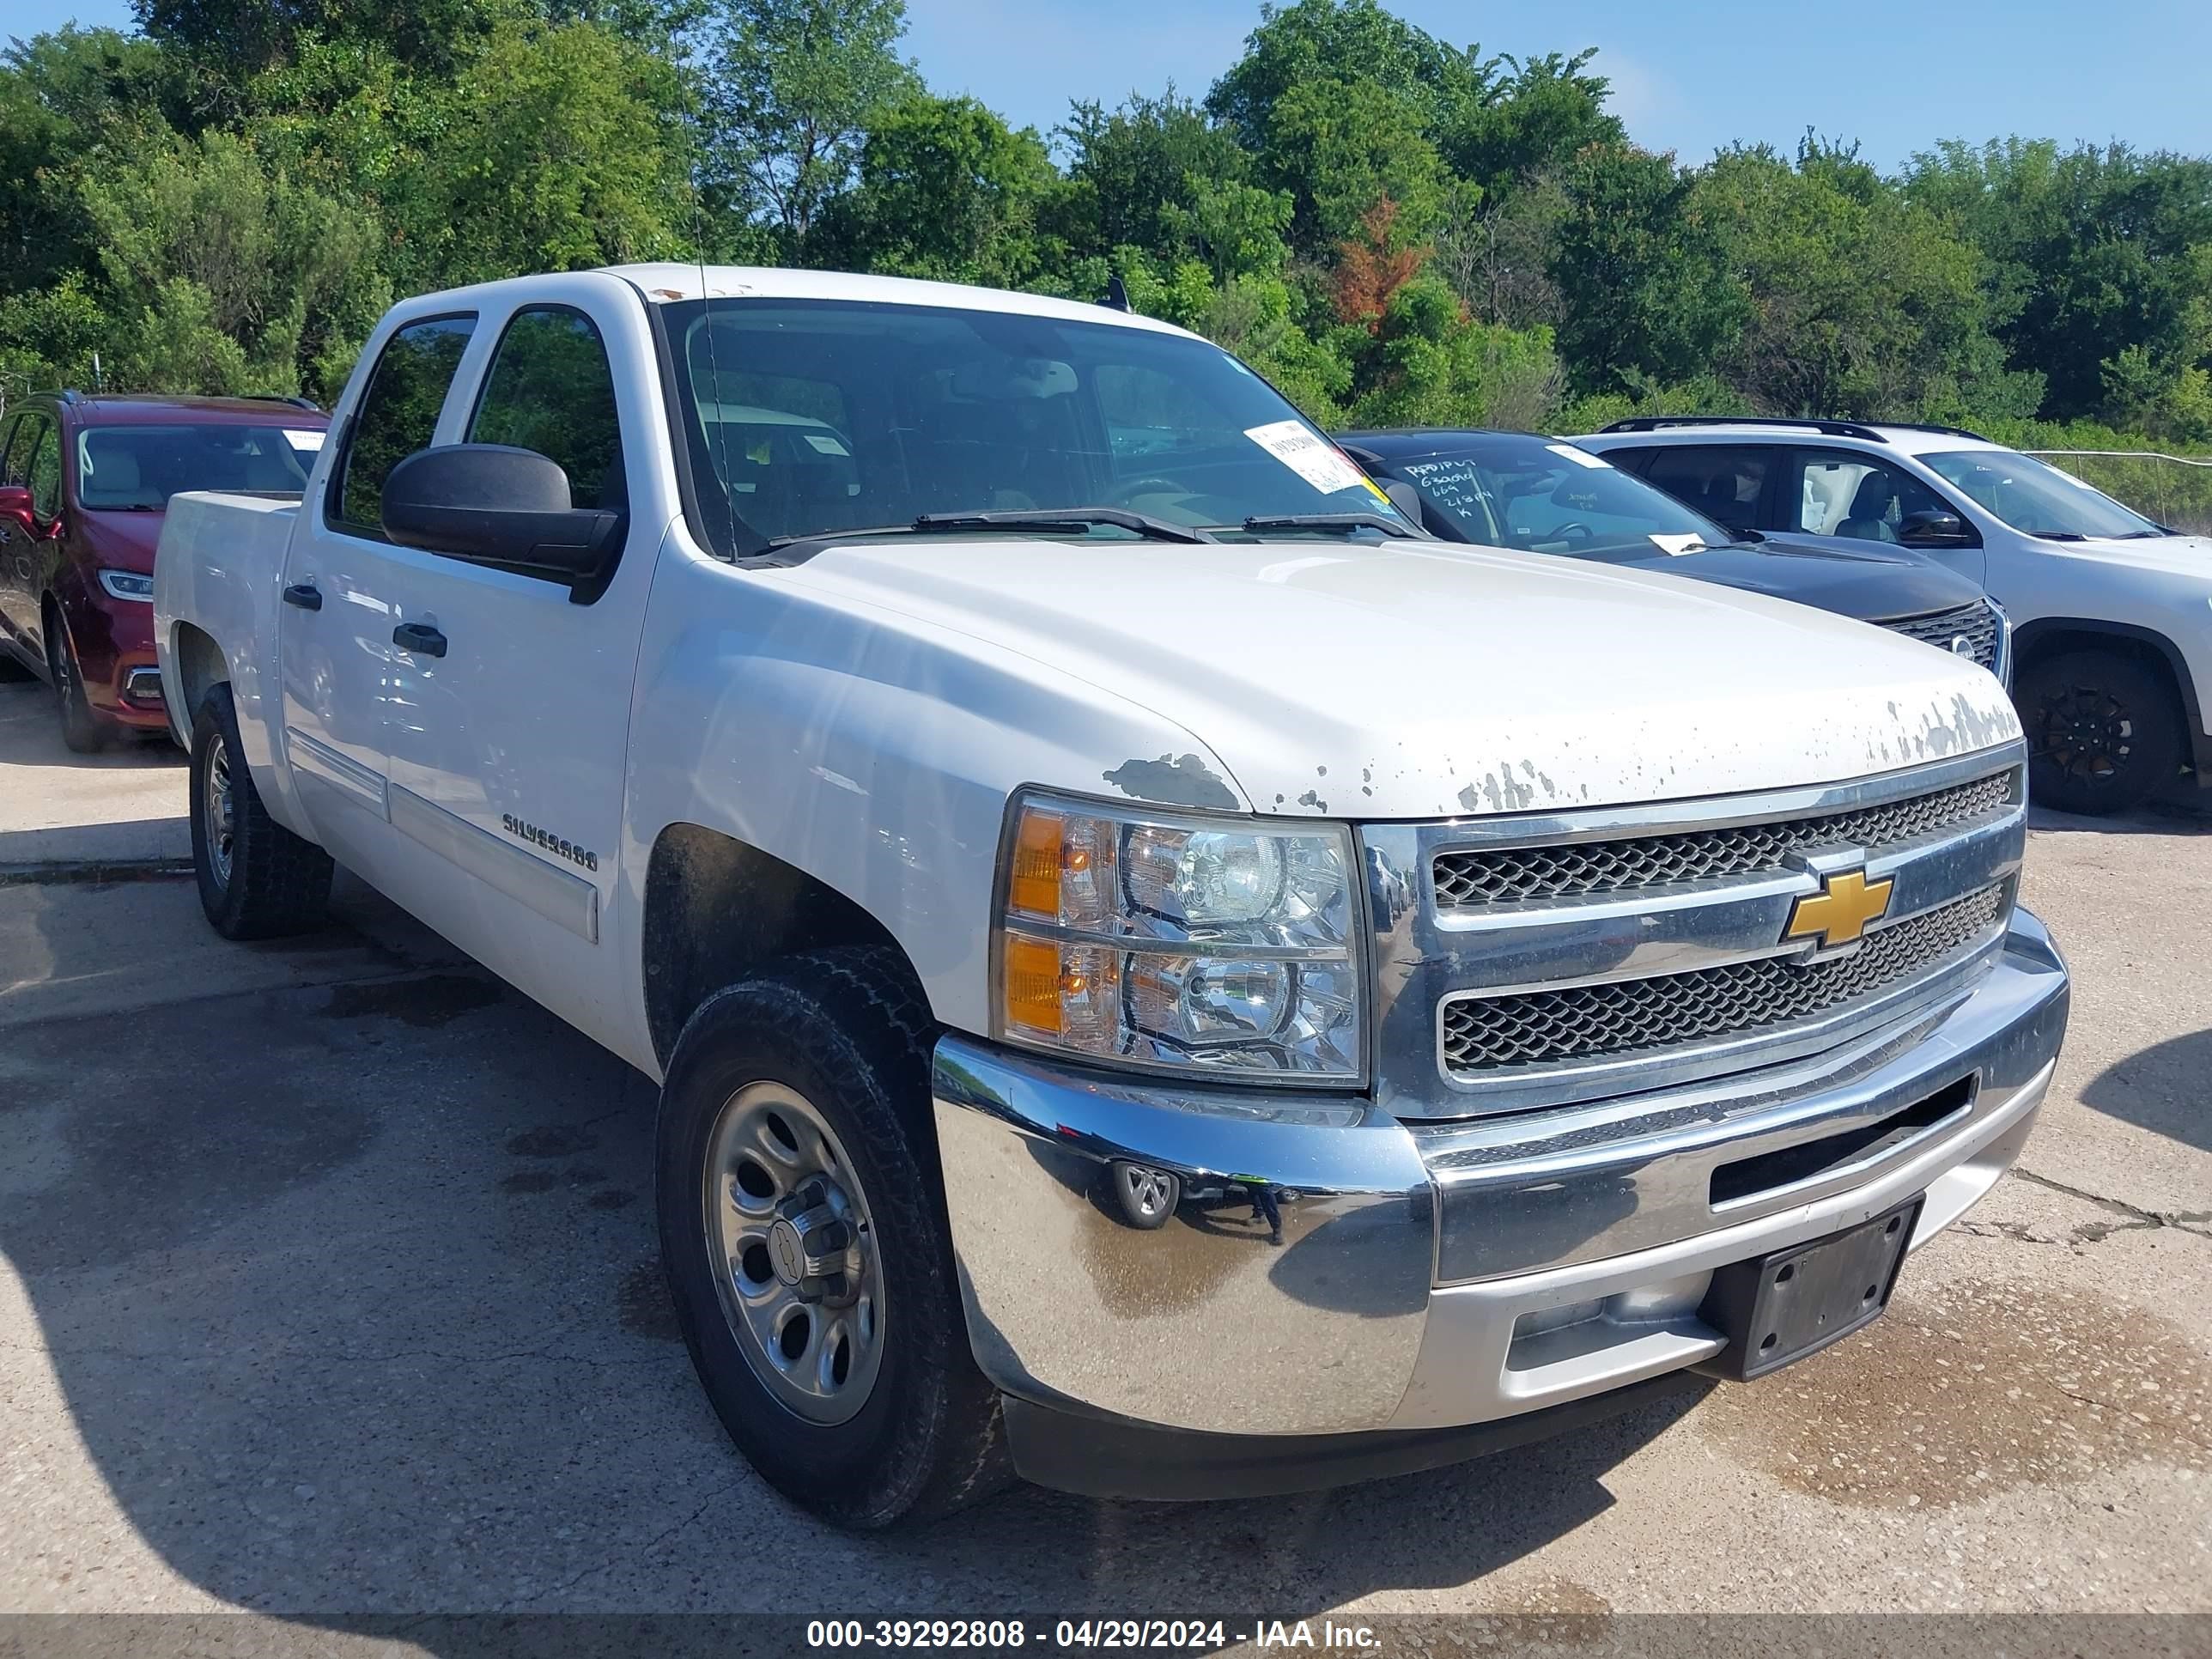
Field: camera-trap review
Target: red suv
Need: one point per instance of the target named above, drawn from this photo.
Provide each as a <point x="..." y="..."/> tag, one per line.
<point x="84" y="482"/>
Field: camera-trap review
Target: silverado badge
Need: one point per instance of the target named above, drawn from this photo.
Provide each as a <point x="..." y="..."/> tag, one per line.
<point x="1839" y="912"/>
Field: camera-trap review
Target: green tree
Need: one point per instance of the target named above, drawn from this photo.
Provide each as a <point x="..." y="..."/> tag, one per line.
<point x="1345" y="41"/>
<point x="224" y="277"/>
<point x="1860" y="302"/>
<point x="2088" y="254"/>
<point x="1137" y="172"/>
<point x="947" y="190"/>
<point x="552" y="153"/>
<point x="1642" y="289"/>
<point x="791" y="88"/>
<point x="1339" y="147"/>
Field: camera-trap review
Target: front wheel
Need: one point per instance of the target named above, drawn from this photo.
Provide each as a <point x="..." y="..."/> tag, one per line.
<point x="82" y="729"/>
<point x="804" y="1235"/>
<point x="257" y="879"/>
<point x="2103" y="731"/>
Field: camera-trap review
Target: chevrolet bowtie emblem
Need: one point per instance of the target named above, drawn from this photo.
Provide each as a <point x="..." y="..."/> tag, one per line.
<point x="1839" y="912"/>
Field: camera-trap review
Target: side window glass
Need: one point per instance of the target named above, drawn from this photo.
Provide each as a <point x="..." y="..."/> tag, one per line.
<point x="549" y="389"/>
<point x="1854" y="496"/>
<point x="398" y="415"/>
<point x="45" y="472"/>
<point x="1723" y="482"/>
<point x="15" y="450"/>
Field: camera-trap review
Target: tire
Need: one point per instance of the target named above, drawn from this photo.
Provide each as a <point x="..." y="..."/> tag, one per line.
<point x="837" y="1042"/>
<point x="2104" y="732"/>
<point x="257" y="879"/>
<point x="82" y="729"/>
<point x="1143" y="1197"/>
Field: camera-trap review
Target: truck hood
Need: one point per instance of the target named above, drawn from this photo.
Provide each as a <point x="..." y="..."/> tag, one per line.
<point x="1419" y="680"/>
<point x="1877" y="585"/>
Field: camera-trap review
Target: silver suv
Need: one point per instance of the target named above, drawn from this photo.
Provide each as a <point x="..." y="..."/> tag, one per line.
<point x="2112" y="613"/>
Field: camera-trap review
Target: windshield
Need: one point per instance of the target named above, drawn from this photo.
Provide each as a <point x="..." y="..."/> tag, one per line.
<point x="1544" y="496"/>
<point x="2039" y="499"/>
<point x="806" y="416"/>
<point x="138" y="468"/>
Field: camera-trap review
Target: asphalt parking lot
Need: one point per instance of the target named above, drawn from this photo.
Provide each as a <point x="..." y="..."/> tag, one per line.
<point x="328" y="1288"/>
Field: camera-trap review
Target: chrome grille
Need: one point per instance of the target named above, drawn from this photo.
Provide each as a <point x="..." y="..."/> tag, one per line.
<point x="1976" y="624"/>
<point x="1516" y="874"/>
<point x="1482" y="1034"/>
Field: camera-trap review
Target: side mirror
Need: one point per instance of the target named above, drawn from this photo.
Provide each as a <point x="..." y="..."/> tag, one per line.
<point x="1930" y="528"/>
<point x="1404" y="497"/>
<point x="15" y="502"/>
<point x="496" y="505"/>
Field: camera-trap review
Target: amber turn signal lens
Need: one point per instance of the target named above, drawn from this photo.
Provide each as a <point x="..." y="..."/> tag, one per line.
<point x="1034" y="888"/>
<point x="1032" y="978"/>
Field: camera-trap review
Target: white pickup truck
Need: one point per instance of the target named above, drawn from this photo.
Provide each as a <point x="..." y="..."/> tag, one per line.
<point x="1162" y="981"/>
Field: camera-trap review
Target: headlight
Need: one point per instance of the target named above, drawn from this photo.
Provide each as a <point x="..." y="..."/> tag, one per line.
<point x="127" y="584"/>
<point x="1192" y="944"/>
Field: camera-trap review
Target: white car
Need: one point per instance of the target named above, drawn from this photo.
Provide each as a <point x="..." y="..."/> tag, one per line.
<point x="2112" y="614"/>
<point x="1160" y="977"/>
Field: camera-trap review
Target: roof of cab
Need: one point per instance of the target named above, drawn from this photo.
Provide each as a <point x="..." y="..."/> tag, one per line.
<point x="661" y="284"/>
<point x="1902" y="440"/>
<point x="129" y="409"/>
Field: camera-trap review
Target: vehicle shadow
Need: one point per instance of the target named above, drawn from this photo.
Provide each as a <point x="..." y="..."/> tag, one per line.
<point x="2188" y="813"/>
<point x="351" y="1301"/>
<point x="2162" y="1088"/>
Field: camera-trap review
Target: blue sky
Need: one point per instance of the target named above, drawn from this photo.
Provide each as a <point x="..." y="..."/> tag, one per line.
<point x="1688" y="74"/>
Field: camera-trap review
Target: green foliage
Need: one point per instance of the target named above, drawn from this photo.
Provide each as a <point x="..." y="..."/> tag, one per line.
<point x="1390" y="226"/>
<point x="948" y="191"/>
<point x="221" y="273"/>
<point x="790" y="89"/>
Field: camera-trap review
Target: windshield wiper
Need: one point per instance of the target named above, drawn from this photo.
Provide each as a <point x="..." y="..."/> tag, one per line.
<point x="1066" y="519"/>
<point x="2058" y="535"/>
<point x="1330" y="522"/>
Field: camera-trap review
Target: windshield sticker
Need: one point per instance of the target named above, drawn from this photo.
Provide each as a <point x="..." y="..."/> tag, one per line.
<point x="298" y="439"/>
<point x="1579" y="457"/>
<point x="1312" y="457"/>
<point x="1677" y="544"/>
<point x="825" y="445"/>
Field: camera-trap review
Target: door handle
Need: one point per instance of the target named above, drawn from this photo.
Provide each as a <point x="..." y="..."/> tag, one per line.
<point x="306" y="595"/>
<point x="422" y="640"/>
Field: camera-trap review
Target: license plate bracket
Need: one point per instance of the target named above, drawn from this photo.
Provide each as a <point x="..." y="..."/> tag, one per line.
<point x="1787" y="1304"/>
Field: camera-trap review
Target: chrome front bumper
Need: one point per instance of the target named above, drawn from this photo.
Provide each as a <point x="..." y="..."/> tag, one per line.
<point x="1432" y="1276"/>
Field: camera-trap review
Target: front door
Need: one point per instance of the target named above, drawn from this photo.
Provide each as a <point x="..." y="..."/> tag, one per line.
<point x="508" y="722"/>
<point x="1845" y="498"/>
<point x="335" y="627"/>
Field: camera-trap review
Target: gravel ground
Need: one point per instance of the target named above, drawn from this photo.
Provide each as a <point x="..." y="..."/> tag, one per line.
<point x="328" y="1290"/>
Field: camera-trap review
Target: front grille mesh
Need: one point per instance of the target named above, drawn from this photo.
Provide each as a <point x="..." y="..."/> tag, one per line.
<point x="1633" y="1016"/>
<point x="1516" y="874"/>
<point x="1975" y="623"/>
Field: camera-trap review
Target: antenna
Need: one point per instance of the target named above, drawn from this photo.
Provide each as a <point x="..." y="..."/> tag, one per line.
<point x="1117" y="294"/>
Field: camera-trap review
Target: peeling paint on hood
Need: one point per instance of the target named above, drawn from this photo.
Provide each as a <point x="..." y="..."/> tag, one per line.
<point x="1449" y="682"/>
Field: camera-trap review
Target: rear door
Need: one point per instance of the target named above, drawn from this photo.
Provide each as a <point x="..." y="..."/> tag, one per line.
<point x="1730" y="484"/>
<point x="335" y="637"/>
<point x="508" y="733"/>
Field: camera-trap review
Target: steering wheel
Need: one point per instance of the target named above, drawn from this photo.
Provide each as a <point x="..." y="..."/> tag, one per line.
<point x="1567" y="532"/>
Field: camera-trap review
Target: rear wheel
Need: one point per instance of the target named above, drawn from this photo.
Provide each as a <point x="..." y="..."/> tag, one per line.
<point x="803" y="1234"/>
<point x="82" y="729"/>
<point x="2103" y="731"/>
<point x="257" y="879"/>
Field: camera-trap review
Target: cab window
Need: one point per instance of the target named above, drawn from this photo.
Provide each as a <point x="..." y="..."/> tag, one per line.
<point x="1724" y="481"/>
<point x="1829" y="492"/>
<point x="15" y="439"/>
<point x="550" y="389"/>
<point x="45" y="473"/>
<point x="398" y="415"/>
